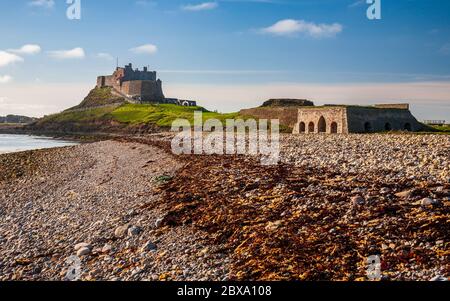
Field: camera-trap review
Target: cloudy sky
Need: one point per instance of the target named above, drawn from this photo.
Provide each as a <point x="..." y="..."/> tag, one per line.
<point x="229" y="54"/>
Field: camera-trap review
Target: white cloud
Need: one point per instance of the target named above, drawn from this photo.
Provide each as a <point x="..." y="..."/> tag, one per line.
<point x="201" y="6"/>
<point x="27" y="49"/>
<point x="4" y="79"/>
<point x="42" y="3"/>
<point x="7" y="58"/>
<point x="76" y="53"/>
<point x="145" y="49"/>
<point x="290" y="27"/>
<point x="105" y="56"/>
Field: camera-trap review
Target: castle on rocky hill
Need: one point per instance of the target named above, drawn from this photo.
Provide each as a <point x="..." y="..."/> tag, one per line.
<point x="138" y="86"/>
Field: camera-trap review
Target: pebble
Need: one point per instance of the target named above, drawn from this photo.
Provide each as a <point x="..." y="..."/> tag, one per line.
<point x="83" y="251"/>
<point x="121" y="231"/>
<point x="357" y="200"/>
<point x="133" y="231"/>
<point x="428" y="202"/>
<point x="148" y="246"/>
<point x="106" y="248"/>
<point x="82" y="245"/>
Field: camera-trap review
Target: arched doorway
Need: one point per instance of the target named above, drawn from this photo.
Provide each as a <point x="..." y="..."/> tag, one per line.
<point x="311" y="127"/>
<point x="302" y="127"/>
<point x="407" y="127"/>
<point x="388" y="127"/>
<point x="322" y="125"/>
<point x="334" y="128"/>
<point x="367" y="127"/>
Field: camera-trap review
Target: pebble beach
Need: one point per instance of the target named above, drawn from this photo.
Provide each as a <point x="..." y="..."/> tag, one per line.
<point x="130" y="210"/>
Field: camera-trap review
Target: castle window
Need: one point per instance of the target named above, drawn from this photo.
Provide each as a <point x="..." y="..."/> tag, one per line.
<point x="302" y="127"/>
<point x="334" y="128"/>
<point x="322" y="125"/>
<point x="311" y="127"/>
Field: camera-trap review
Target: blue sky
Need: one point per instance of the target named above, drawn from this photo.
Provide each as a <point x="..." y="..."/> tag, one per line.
<point x="230" y="54"/>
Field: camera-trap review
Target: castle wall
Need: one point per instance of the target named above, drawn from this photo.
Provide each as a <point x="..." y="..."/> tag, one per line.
<point x="106" y="81"/>
<point x="149" y="91"/>
<point x="324" y="120"/>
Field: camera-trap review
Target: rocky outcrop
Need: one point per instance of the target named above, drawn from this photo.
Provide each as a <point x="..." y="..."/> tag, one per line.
<point x="100" y="97"/>
<point x="287" y="102"/>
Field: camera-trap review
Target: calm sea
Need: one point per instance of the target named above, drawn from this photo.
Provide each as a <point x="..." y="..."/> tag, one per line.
<point x="18" y="143"/>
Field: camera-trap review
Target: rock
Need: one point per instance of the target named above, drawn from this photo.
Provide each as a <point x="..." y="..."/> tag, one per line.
<point x="357" y="200"/>
<point x="385" y="190"/>
<point x="428" y="202"/>
<point x="133" y="231"/>
<point x="272" y="226"/>
<point x="106" y="248"/>
<point x="439" y="278"/>
<point x="121" y="231"/>
<point x="404" y="194"/>
<point x="82" y="245"/>
<point x="159" y="222"/>
<point x="83" y="251"/>
<point x="148" y="246"/>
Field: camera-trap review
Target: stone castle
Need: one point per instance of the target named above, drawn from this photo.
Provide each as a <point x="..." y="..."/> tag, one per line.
<point x="138" y="86"/>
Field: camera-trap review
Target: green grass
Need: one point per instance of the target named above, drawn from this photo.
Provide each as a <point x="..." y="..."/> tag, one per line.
<point x="163" y="114"/>
<point x="88" y="115"/>
<point x="442" y="128"/>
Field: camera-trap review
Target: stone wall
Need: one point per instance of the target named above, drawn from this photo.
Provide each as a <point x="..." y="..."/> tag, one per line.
<point x="149" y="91"/>
<point x="321" y="120"/>
<point x="364" y="119"/>
<point x="354" y="119"/>
<point x="106" y="81"/>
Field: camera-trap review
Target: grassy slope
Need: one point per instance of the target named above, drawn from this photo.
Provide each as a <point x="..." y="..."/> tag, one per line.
<point x="161" y="115"/>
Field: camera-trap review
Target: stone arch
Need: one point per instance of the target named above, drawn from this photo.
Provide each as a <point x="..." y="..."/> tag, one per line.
<point x="322" y="125"/>
<point x="407" y="127"/>
<point x="311" y="127"/>
<point x="302" y="127"/>
<point x="334" y="128"/>
<point x="367" y="127"/>
<point x="387" y="126"/>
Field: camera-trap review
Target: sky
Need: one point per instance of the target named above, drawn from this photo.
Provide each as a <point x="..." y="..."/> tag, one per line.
<point x="229" y="54"/>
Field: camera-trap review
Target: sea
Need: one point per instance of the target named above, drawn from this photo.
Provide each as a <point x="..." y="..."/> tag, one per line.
<point x="19" y="143"/>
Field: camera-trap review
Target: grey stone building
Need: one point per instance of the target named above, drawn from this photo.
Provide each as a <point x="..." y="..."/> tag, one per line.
<point x="342" y="119"/>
